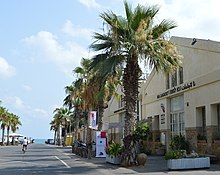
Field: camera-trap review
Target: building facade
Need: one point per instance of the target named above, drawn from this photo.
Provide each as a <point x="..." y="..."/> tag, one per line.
<point x="185" y="102"/>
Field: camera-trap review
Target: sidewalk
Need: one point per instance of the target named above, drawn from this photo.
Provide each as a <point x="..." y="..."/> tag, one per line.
<point x="156" y="165"/>
<point x="153" y="164"/>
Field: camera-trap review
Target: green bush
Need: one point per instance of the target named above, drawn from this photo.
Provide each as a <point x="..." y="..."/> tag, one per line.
<point x="141" y="131"/>
<point x="115" y="149"/>
<point x="179" y="142"/>
<point x="173" y="154"/>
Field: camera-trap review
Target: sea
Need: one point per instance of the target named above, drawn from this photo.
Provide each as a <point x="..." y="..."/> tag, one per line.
<point x="39" y="141"/>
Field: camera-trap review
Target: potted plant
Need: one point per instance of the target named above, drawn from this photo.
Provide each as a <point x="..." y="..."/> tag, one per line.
<point x="113" y="152"/>
<point x="177" y="157"/>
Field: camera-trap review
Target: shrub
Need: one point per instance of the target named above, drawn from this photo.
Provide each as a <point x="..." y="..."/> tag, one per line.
<point x="141" y="131"/>
<point x="179" y="143"/>
<point x="173" y="154"/>
<point x="114" y="149"/>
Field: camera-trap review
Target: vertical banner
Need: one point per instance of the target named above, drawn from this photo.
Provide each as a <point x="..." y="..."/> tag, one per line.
<point x="92" y="120"/>
<point x="100" y="144"/>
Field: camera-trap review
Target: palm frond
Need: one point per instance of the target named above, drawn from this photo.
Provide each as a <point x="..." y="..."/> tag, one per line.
<point x="160" y="29"/>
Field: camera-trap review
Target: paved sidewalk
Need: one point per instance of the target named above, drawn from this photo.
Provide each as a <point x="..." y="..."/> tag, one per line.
<point x="155" y="165"/>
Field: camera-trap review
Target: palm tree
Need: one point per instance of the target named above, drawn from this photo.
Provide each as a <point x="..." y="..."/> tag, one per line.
<point x="53" y="127"/>
<point x="57" y="122"/>
<point x="126" y="40"/>
<point x="74" y="101"/>
<point x="8" y="125"/>
<point x="15" y="123"/>
<point x="63" y="114"/>
<point x="87" y="89"/>
<point x="106" y="88"/>
<point x="68" y="100"/>
<point x="3" y="119"/>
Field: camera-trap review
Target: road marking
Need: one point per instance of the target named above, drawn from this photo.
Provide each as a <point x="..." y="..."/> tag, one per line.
<point x="66" y="154"/>
<point x="63" y="162"/>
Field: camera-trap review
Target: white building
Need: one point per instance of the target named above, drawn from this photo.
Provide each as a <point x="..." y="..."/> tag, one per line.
<point x="185" y="102"/>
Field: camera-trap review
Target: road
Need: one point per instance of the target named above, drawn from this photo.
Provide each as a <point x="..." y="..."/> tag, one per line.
<point x="42" y="159"/>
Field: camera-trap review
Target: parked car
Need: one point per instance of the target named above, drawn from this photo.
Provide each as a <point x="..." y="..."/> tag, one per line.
<point x="49" y="141"/>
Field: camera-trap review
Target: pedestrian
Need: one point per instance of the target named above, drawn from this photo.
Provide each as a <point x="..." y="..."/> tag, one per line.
<point x="25" y="143"/>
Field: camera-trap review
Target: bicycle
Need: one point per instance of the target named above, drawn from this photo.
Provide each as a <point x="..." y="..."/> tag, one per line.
<point x="24" y="149"/>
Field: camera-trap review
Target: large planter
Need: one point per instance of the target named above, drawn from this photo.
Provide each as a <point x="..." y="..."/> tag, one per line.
<point x="188" y="163"/>
<point x="141" y="159"/>
<point x="113" y="159"/>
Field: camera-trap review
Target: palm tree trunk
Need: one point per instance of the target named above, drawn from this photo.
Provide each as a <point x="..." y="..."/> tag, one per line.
<point x="3" y="135"/>
<point x="89" y="142"/>
<point x="13" y="140"/>
<point x="76" y="125"/>
<point x="89" y="138"/>
<point x="55" y="135"/>
<point x="8" y="128"/>
<point x="58" y="136"/>
<point x="130" y="83"/>
<point x="65" y="135"/>
<point x="100" y="113"/>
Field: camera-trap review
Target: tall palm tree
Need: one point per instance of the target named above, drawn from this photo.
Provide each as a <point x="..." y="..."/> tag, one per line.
<point x="15" y="123"/>
<point x="64" y="116"/>
<point x="3" y="119"/>
<point x="87" y="89"/>
<point x="8" y="125"/>
<point x="74" y="100"/>
<point x="106" y="88"/>
<point x="53" y="126"/>
<point x="57" y="122"/>
<point x="126" y="40"/>
<point x="68" y="100"/>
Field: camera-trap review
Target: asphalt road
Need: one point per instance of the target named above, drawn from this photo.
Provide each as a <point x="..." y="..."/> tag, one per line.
<point x="42" y="159"/>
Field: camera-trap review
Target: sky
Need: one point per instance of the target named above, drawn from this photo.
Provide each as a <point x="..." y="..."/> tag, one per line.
<point x="42" y="41"/>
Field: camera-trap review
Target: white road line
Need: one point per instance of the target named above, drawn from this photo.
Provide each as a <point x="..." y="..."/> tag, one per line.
<point x="66" y="154"/>
<point x="63" y="162"/>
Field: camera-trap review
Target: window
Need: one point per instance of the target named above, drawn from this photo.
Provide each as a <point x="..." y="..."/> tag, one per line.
<point x="167" y="81"/>
<point x="180" y="75"/>
<point x="203" y="122"/>
<point x="121" y="103"/>
<point x="177" y="124"/>
<point x="174" y="79"/>
<point x="149" y="121"/>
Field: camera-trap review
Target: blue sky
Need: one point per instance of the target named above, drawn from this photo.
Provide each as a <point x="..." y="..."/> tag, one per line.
<point x="42" y="41"/>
